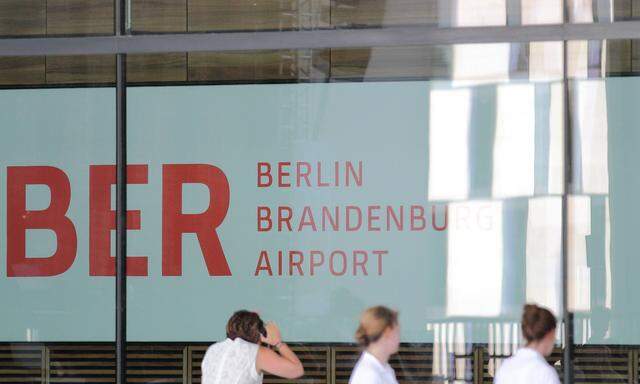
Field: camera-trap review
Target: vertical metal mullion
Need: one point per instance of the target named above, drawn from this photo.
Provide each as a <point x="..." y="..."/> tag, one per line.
<point x="567" y="316"/>
<point x="329" y="364"/>
<point x="121" y="222"/>
<point x="44" y="364"/>
<point x="120" y="18"/>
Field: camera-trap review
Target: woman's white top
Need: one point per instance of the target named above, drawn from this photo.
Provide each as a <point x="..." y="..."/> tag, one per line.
<point x="369" y="370"/>
<point x="231" y="362"/>
<point x="527" y="366"/>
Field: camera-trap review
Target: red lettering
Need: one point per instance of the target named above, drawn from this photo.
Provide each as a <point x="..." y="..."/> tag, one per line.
<point x="348" y="210"/>
<point x="332" y="264"/>
<point x="417" y="215"/>
<point x="307" y="219"/>
<point x="264" y="217"/>
<point x="357" y="176"/>
<point x="19" y="219"/>
<point x="372" y="217"/>
<point x="303" y="175"/>
<point x="102" y="220"/>
<point x="434" y="221"/>
<point x="175" y="223"/>
<point x="391" y="215"/>
<point x="334" y="220"/>
<point x="263" y="264"/>
<point x="264" y="171"/>
<point x="380" y="254"/>
<point x="315" y="263"/>
<point x="286" y="219"/>
<point x="282" y="173"/>
<point x="297" y="263"/>
<point x="360" y="263"/>
<point x="320" y="182"/>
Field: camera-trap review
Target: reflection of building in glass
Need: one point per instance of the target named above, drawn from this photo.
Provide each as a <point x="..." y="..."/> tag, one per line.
<point x="475" y="259"/>
<point x="449" y="113"/>
<point x="526" y="161"/>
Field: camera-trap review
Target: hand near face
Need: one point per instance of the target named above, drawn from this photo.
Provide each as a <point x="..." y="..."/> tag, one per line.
<point x="273" y="334"/>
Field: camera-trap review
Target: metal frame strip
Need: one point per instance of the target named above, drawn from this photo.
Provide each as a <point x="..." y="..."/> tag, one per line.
<point x="316" y="39"/>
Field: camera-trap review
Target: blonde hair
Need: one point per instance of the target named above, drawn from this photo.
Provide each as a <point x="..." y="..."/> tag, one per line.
<point x="373" y="322"/>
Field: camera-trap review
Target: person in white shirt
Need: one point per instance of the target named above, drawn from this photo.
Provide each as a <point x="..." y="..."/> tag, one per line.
<point x="240" y="359"/>
<point x="379" y="335"/>
<point x="528" y="365"/>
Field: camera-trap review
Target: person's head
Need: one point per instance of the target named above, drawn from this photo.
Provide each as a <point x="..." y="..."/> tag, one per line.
<point x="539" y="328"/>
<point x="379" y="326"/>
<point x="247" y="326"/>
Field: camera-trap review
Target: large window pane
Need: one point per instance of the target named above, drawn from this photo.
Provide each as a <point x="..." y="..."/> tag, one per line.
<point x="56" y="174"/>
<point x="432" y="186"/>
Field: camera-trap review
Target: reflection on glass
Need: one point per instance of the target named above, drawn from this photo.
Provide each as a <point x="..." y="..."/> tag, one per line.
<point x="477" y="13"/>
<point x="545" y="58"/>
<point x="542" y="12"/>
<point x="578" y="55"/>
<point x="607" y="256"/>
<point x="589" y="11"/>
<point x="514" y="144"/>
<point x="544" y="253"/>
<point x="556" y="140"/>
<point x="451" y="350"/>
<point x="480" y="64"/>
<point x="474" y="259"/>
<point x="580" y="11"/>
<point x="591" y="144"/>
<point x="579" y="273"/>
<point x="448" y="144"/>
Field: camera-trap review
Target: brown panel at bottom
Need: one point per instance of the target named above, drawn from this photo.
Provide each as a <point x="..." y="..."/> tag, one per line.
<point x="22" y="70"/>
<point x="157" y="67"/>
<point x="81" y="69"/>
<point x="21" y="363"/>
<point x="179" y="363"/>
<point x="81" y="363"/>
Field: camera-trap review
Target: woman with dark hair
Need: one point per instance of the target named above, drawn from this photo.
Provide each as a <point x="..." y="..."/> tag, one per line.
<point x="379" y="335"/>
<point x="528" y="365"/>
<point x="240" y="359"/>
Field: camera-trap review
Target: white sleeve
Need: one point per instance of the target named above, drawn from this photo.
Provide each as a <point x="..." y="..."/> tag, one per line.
<point x="550" y="376"/>
<point x="364" y="376"/>
<point x="206" y="374"/>
<point x="254" y="357"/>
<point x="498" y="378"/>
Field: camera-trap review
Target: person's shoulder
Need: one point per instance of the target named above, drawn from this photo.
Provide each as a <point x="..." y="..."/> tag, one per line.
<point x="364" y="375"/>
<point x="219" y="344"/>
<point x="211" y="352"/>
<point x="508" y="363"/>
<point x="245" y="347"/>
<point x="504" y="369"/>
<point x="548" y="374"/>
<point x="244" y="343"/>
<point x="216" y="346"/>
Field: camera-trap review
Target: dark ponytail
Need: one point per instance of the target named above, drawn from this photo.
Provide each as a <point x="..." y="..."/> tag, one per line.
<point x="537" y="322"/>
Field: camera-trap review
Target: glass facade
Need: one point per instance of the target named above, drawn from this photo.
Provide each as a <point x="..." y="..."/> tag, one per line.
<point x="452" y="181"/>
